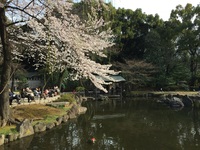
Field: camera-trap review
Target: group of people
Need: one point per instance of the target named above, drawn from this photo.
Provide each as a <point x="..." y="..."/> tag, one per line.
<point x="32" y="94"/>
<point x="25" y="93"/>
<point x="50" y="92"/>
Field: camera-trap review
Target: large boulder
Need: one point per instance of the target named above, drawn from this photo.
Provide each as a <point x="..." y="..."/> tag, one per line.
<point x="176" y="102"/>
<point x="50" y="125"/>
<point x="166" y="99"/>
<point x="74" y="109"/>
<point x="59" y="120"/>
<point x="73" y="112"/>
<point x="187" y="101"/>
<point x="40" y="127"/>
<point x="12" y="137"/>
<point x="173" y="102"/>
<point x="25" y="128"/>
<point x="2" y="139"/>
<point x="82" y="110"/>
<point x="72" y="115"/>
<point x="65" y="118"/>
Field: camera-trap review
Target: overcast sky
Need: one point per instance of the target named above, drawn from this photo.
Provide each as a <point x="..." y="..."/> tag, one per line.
<point x="161" y="7"/>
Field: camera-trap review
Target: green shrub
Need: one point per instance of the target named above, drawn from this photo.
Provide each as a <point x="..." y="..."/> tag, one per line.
<point x="181" y="87"/>
<point x="67" y="98"/>
<point x="80" y="89"/>
<point x="8" y="129"/>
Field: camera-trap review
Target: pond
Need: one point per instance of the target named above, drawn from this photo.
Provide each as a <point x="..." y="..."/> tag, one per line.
<point x="135" y="124"/>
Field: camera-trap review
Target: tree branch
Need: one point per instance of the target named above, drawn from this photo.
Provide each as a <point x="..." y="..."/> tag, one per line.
<point x="10" y="24"/>
<point x="28" y="4"/>
<point x="9" y="2"/>
<point x="44" y="4"/>
<point x="22" y="10"/>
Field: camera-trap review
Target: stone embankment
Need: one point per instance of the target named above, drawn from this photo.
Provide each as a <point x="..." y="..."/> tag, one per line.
<point x="25" y="128"/>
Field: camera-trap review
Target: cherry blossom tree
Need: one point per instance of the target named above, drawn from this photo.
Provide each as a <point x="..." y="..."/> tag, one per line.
<point x="56" y="37"/>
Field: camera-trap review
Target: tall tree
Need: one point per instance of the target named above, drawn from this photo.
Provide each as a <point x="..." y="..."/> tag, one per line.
<point x="160" y="50"/>
<point x="188" y="41"/>
<point x="6" y="67"/>
<point x="56" y="37"/>
<point x="131" y="28"/>
<point x="139" y="74"/>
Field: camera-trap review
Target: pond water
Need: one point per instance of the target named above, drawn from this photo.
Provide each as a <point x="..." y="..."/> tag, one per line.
<point x="134" y="124"/>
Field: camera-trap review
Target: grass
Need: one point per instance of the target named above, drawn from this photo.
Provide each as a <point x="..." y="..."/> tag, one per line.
<point x="38" y="113"/>
<point x="52" y="118"/>
<point x="35" y="112"/>
<point x="67" y="98"/>
<point x="47" y="119"/>
<point x="8" y="129"/>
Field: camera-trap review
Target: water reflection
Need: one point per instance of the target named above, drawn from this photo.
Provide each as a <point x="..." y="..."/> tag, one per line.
<point x="128" y="125"/>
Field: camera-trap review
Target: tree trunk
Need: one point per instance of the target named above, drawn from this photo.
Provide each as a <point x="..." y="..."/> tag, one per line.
<point x="60" y="79"/>
<point x="193" y="70"/>
<point x="6" y="68"/>
<point x="13" y="82"/>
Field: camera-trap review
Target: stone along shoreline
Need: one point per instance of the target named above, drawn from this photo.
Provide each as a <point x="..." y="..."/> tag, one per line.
<point x="26" y="128"/>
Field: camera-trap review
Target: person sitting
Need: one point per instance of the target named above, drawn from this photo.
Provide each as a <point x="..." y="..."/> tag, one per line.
<point x="13" y="96"/>
<point x="46" y="93"/>
<point x="51" y="93"/>
<point x="27" y="93"/>
<point x="57" y="90"/>
<point x="37" y="92"/>
<point x="23" y="93"/>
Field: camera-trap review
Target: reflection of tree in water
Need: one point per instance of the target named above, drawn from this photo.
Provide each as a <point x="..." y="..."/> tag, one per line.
<point x="152" y="120"/>
<point x="195" y="130"/>
<point x="95" y="129"/>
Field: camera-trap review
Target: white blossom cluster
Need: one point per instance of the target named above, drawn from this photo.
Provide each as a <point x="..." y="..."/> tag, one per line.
<point x="57" y="38"/>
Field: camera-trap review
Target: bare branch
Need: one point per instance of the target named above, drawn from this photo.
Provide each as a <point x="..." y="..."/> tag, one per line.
<point x="43" y="4"/>
<point x="28" y="4"/>
<point x="9" y="2"/>
<point x="22" y="10"/>
<point x="13" y="23"/>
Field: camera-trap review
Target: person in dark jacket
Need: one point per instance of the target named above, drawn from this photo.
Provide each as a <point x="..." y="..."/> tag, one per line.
<point x="13" y="96"/>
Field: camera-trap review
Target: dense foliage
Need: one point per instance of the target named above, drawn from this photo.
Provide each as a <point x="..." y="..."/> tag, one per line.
<point x="51" y="37"/>
<point x="172" y="47"/>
